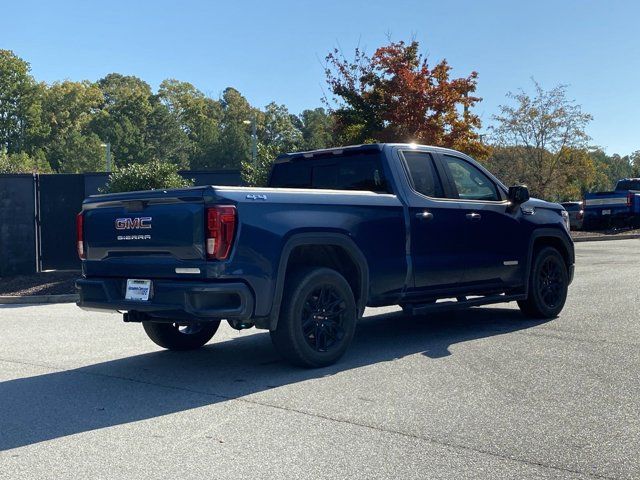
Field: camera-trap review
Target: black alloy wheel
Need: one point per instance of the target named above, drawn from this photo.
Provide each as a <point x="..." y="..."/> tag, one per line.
<point x="550" y="282"/>
<point x="317" y="318"/>
<point x="548" y="285"/>
<point x="322" y="318"/>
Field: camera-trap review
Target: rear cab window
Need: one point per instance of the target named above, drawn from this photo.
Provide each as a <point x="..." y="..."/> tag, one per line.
<point x="628" y="184"/>
<point x="344" y="171"/>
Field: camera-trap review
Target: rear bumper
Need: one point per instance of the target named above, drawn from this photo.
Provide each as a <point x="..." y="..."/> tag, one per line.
<point x="595" y="216"/>
<point x="170" y="299"/>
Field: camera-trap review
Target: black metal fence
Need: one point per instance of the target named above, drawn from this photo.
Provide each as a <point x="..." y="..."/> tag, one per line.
<point x="37" y="216"/>
<point x="17" y="224"/>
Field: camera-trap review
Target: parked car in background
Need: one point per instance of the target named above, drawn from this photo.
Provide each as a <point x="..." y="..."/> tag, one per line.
<point x="576" y="214"/>
<point x="619" y="208"/>
<point x="337" y="230"/>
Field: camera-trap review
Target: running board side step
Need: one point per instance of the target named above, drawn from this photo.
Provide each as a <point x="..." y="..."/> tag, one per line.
<point x="463" y="302"/>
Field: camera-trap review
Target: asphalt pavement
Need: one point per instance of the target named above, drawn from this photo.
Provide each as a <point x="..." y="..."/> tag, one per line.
<point x="478" y="394"/>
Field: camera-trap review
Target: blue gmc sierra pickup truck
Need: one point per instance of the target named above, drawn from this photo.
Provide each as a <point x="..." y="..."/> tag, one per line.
<point x="620" y="207"/>
<point x="337" y="230"/>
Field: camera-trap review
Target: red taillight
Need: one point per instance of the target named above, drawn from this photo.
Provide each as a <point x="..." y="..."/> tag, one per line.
<point x="629" y="199"/>
<point x="80" y="235"/>
<point x="221" y="225"/>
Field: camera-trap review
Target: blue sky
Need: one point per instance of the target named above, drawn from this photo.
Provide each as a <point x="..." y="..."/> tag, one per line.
<point x="273" y="50"/>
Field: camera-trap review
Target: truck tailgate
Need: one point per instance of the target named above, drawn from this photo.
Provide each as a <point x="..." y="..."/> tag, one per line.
<point x="148" y="234"/>
<point x="605" y="199"/>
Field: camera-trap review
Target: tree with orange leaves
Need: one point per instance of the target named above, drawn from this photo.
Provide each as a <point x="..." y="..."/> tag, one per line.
<point x="395" y="96"/>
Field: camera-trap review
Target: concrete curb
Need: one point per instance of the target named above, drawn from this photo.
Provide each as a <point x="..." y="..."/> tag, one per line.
<point x="602" y="238"/>
<point x="39" y="299"/>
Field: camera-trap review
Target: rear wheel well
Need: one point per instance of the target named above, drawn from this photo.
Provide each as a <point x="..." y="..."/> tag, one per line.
<point x="330" y="256"/>
<point x="553" y="242"/>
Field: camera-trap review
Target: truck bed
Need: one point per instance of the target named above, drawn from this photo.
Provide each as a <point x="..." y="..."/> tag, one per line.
<point x="175" y="248"/>
<point x="618" y="207"/>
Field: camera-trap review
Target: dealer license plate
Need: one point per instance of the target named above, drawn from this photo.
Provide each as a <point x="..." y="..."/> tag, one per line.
<point x="138" y="290"/>
<point x="606" y="212"/>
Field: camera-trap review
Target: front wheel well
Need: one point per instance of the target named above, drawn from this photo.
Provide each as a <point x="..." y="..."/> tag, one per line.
<point x="553" y="242"/>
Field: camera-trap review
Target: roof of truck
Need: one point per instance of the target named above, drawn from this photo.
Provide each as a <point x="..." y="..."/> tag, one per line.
<point x="356" y="148"/>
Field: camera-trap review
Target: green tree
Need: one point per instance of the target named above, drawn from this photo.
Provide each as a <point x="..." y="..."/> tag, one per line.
<point x="601" y="178"/>
<point x="165" y="138"/>
<point x="317" y="128"/>
<point x="277" y="133"/>
<point x="67" y="109"/>
<point x="547" y="139"/>
<point x="150" y="176"/>
<point x="610" y="168"/>
<point x="235" y="141"/>
<point x="634" y="158"/>
<point x="124" y="118"/>
<point x="138" y="124"/>
<point x="197" y="115"/>
<point x="511" y="165"/>
<point x="20" y="105"/>
<point x="277" y="128"/>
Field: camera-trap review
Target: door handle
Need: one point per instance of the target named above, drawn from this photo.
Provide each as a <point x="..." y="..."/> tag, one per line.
<point x="474" y="217"/>
<point x="424" y="215"/>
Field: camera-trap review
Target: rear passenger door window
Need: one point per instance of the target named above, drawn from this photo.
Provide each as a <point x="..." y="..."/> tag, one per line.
<point x="423" y="175"/>
<point x="470" y="182"/>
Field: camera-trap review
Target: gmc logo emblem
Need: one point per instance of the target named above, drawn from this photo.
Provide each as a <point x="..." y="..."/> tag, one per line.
<point x="133" y="223"/>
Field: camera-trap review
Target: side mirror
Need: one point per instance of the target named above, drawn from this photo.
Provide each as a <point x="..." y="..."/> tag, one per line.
<point x="518" y="194"/>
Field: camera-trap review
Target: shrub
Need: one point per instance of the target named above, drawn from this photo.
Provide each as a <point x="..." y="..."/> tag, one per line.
<point x="146" y="176"/>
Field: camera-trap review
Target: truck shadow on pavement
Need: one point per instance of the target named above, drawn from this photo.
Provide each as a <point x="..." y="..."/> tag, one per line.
<point x="54" y="405"/>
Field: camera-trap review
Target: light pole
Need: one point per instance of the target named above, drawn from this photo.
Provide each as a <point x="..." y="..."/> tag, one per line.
<point x="107" y="147"/>
<point x="254" y="139"/>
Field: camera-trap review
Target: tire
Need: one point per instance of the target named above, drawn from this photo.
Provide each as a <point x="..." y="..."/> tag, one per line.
<point x="317" y="318"/>
<point x="175" y="337"/>
<point x="548" y="285"/>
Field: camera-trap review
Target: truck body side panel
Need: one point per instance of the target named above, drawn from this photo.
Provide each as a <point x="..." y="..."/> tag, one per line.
<point x="374" y="222"/>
